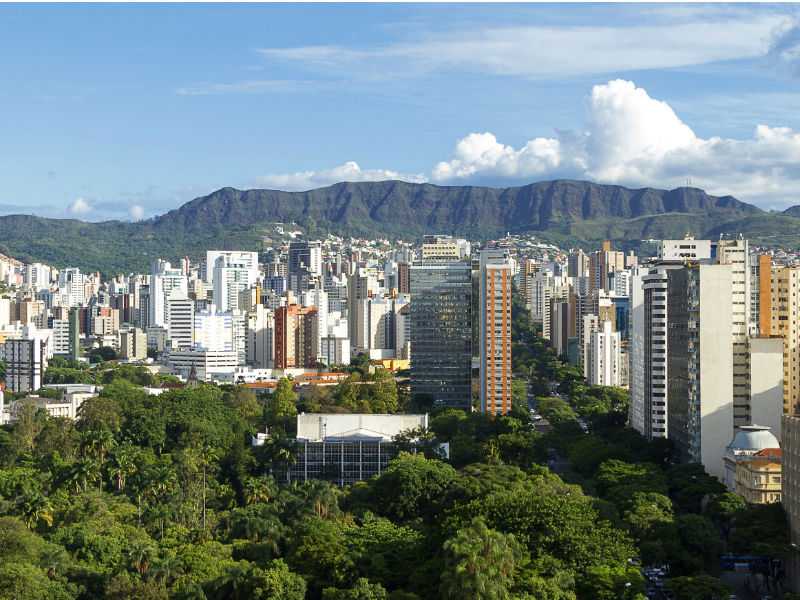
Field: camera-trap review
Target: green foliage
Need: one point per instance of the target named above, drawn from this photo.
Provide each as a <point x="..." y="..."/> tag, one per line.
<point x="699" y="587"/>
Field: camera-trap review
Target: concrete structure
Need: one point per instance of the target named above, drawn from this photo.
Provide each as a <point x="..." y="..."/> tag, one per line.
<point x="758" y="480"/>
<point x="602" y="361"/>
<point x="163" y="280"/>
<point x="213" y="330"/>
<point x="684" y="250"/>
<point x="746" y="444"/>
<point x="346" y="448"/>
<point x="247" y="259"/>
<point x="601" y="263"/>
<point x="296" y="337"/>
<point x="26" y="359"/>
<point x="180" y="319"/>
<point x="441" y="331"/>
<point x="790" y="495"/>
<point x="785" y="312"/>
<point x="700" y="336"/>
<point x="132" y="344"/>
<point x="494" y="333"/>
<point x="206" y="363"/>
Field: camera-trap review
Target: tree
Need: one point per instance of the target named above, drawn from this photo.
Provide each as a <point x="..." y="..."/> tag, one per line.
<point x="362" y="590"/>
<point x="141" y="553"/>
<point x="699" y="587"/>
<point x="257" y="489"/>
<point x="208" y="457"/>
<point x="282" y="406"/>
<point x="166" y="570"/>
<point x="243" y="401"/>
<point x="479" y="563"/>
<point x="101" y="412"/>
<point x="35" y="507"/>
<point x="84" y="471"/>
<point x="409" y="486"/>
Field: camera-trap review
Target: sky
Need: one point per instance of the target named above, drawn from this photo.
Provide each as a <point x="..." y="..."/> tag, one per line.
<point x="127" y="111"/>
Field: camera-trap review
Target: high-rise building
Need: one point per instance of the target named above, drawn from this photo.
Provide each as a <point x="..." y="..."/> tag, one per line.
<point x="441" y="331"/>
<point x="164" y="279"/>
<point x="602" y="360"/>
<point x="260" y="340"/>
<point x="360" y="286"/>
<point x="403" y="278"/>
<point x="785" y="311"/>
<point x="232" y="275"/>
<point x="249" y="260"/>
<point x="601" y="263"/>
<point x="496" y="273"/>
<point x="577" y="263"/>
<point x="296" y="336"/>
<point x="700" y="315"/>
<point x="26" y="359"/>
<point x="180" y="319"/>
<point x="132" y="344"/>
<point x="213" y="331"/>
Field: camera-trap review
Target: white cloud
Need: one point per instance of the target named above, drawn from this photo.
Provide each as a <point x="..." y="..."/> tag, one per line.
<point x="350" y="171"/>
<point x="136" y="212"/>
<point x="80" y="207"/>
<point x="635" y="140"/>
<point x="554" y="51"/>
<point x="784" y="50"/>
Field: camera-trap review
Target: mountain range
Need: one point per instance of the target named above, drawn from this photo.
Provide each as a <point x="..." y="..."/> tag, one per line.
<point x="565" y="212"/>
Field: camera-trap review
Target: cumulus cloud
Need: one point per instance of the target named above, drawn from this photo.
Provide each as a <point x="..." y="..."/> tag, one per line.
<point x="350" y="171"/>
<point x="136" y="212"/>
<point x="635" y="140"/>
<point x="80" y="207"/>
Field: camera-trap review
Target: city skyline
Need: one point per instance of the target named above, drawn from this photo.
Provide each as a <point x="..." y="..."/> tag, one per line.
<point x="127" y="111"/>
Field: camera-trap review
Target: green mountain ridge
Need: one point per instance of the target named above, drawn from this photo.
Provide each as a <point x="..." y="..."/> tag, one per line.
<point x="567" y="212"/>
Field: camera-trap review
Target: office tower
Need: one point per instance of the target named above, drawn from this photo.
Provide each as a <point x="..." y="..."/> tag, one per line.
<point x="249" y="260"/>
<point x="562" y="325"/>
<point x="335" y="350"/>
<point x="403" y="332"/>
<point x="444" y="246"/>
<point x="441" y="331"/>
<point x="403" y="278"/>
<point x="37" y="276"/>
<point x="132" y="344"/>
<point x="700" y="336"/>
<point x="163" y="279"/>
<point x="602" y="361"/>
<point x="577" y="263"/>
<point x="496" y="272"/>
<point x="180" y="319"/>
<point x="296" y="337"/>
<point x="601" y="263"/>
<point x="60" y="329"/>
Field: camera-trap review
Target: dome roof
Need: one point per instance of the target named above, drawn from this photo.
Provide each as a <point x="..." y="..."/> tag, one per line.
<point x="754" y="438"/>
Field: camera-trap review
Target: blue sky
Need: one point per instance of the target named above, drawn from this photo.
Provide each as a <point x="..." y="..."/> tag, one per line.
<point x="128" y="110"/>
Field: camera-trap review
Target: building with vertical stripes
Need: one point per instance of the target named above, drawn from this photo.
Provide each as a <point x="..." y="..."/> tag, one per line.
<point x="496" y="272"/>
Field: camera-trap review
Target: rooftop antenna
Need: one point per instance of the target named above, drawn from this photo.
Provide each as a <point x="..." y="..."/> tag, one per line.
<point x="688" y="182"/>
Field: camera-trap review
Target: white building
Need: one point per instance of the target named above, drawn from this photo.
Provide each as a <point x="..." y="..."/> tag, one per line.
<point x="602" y="360"/>
<point x="206" y="363"/>
<point x="180" y="319"/>
<point x="213" y="330"/>
<point x="236" y="257"/>
<point x="164" y="279"/>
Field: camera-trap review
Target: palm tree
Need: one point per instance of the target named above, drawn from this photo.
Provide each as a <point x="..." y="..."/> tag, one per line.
<point x="122" y="465"/>
<point x="35" y="507"/>
<point x="257" y="489"/>
<point x="166" y="570"/>
<point x="322" y="497"/>
<point x="208" y="456"/>
<point x="161" y="512"/>
<point x="54" y="559"/>
<point x="479" y="563"/>
<point x="83" y="471"/>
<point x="141" y="554"/>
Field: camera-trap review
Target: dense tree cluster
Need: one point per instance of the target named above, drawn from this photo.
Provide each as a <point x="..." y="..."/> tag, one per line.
<point x="163" y="496"/>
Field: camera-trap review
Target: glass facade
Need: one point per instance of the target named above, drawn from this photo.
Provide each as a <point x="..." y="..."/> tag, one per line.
<point x="342" y="461"/>
<point x="441" y="331"/>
